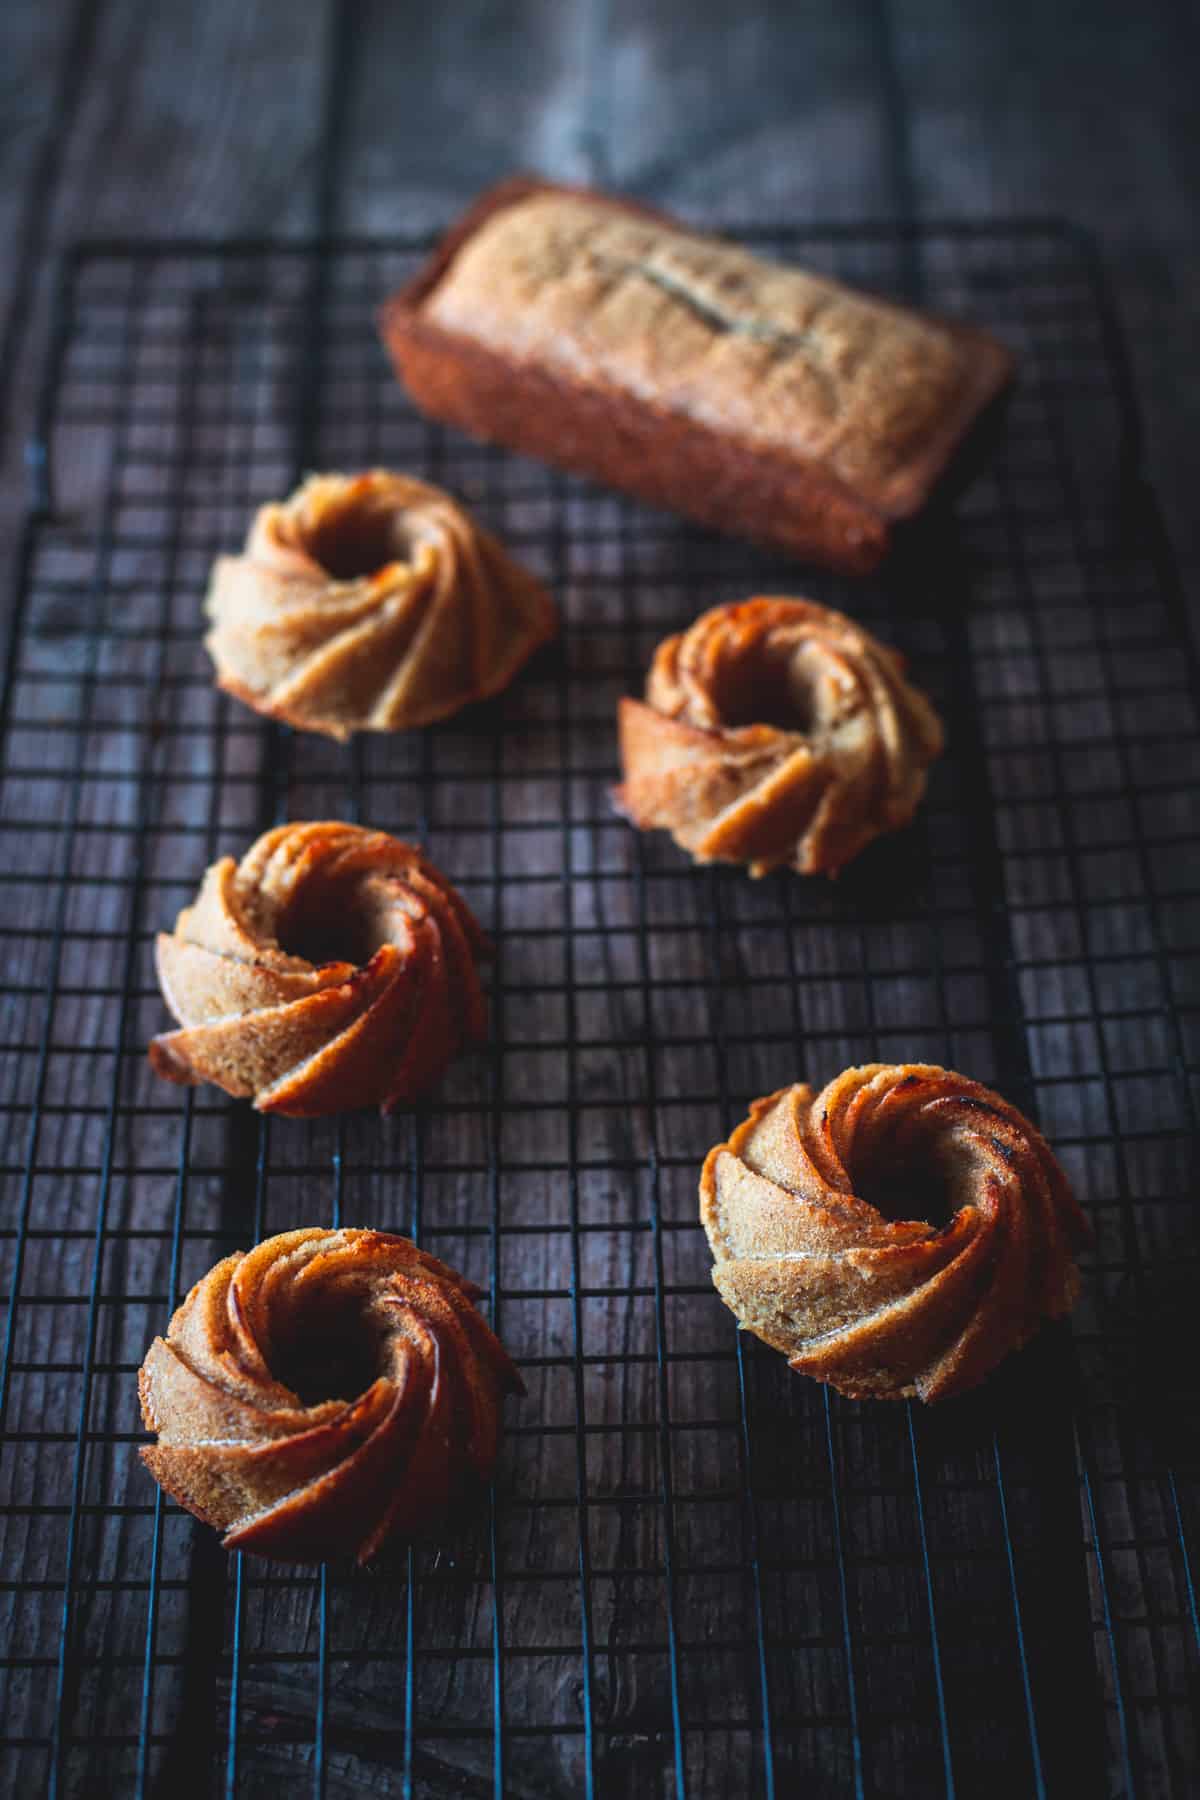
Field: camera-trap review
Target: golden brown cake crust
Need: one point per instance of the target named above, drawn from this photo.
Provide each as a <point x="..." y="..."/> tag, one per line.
<point x="379" y="992"/>
<point x="856" y="1294"/>
<point x="599" y="334"/>
<point x="324" y="1392"/>
<point x="370" y="602"/>
<point x="775" y="731"/>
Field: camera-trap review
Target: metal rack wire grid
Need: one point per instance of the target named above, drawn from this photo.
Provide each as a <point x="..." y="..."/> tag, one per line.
<point x="697" y="1573"/>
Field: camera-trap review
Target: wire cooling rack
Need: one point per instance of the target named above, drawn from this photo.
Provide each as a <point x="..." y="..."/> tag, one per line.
<point x="697" y="1574"/>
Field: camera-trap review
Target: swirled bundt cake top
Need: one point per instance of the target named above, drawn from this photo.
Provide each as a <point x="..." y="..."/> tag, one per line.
<point x="332" y="967"/>
<point x="370" y="602"/>
<point x="776" y="731"/>
<point x="895" y="1234"/>
<point x="323" y="1392"/>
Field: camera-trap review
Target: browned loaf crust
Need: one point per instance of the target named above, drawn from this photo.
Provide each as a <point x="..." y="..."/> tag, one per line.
<point x="773" y="732"/>
<point x="332" y="967"/>
<point x="370" y="602"/>
<point x="755" y="397"/>
<point x="324" y="1392"/>
<point x="854" y="1293"/>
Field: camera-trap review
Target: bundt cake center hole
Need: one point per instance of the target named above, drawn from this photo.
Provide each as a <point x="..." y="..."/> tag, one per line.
<point x="328" y="1357"/>
<point x="768" y="685"/>
<point x="913" y="1186"/>
<point x="356" y="539"/>
<point x="332" y="923"/>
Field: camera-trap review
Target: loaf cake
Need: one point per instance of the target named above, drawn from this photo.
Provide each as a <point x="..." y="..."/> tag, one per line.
<point x="324" y="1392"/>
<point x="333" y="967"/>
<point x="751" y="395"/>
<point x="370" y="602"/>
<point x="773" y="732"/>
<point x="894" y="1235"/>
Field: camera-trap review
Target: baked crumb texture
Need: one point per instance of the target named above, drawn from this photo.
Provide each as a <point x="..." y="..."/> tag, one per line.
<point x="324" y="1392"/>
<point x="332" y="968"/>
<point x="805" y="1210"/>
<point x="776" y="732"/>
<point x="370" y="602"/>
<point x="742" y="391"/>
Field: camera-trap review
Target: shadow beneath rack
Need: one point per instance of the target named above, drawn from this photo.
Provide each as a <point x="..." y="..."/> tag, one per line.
<point x="991" y="1489"/>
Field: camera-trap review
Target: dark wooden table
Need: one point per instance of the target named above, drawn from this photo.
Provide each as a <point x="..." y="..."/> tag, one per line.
<point x="268" y="119"/>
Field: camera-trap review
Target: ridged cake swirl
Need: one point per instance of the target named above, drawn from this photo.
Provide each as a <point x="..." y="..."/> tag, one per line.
<point x="775" y="732"/>
<point x="332" y="967"/>
<point x="370" y="602"/>
<point x="322" y="1393"/>
<point x="806" y="1213"/>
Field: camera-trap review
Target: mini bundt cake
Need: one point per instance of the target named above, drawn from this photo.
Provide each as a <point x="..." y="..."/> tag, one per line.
<point x="776" y="732"/>
<point x="807" y="1210"/>
<point x="324" y="1392"/>
<point x="332" y="968"/>
<point x="370" y="603"/>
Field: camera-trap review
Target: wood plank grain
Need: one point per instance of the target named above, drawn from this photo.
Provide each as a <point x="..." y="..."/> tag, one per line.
<point x="207" y="120"/>
<point x="1005" y="117"/>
